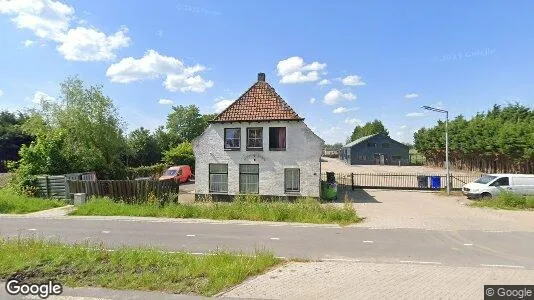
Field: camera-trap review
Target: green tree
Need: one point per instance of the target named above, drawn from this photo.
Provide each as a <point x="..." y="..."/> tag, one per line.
<point x="186" y="122"/>
<point x="143" y="148"/>
<point x="180" y="155"/>
<point x="369" y="128"/>
<point x="12" y="137"/>
<point x="500" y="140"/>
<point x="80" y="133"/>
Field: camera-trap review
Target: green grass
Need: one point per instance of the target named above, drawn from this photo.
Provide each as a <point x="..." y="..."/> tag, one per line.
<point x="507" y="200"/>
<point x="302" y="211"/>
<point x="12" y="203"/>
<point x="36" y="261"/>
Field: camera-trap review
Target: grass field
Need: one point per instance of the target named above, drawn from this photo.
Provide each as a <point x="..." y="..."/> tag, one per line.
<point x="11" y="203"/>
<point x="507" y="201"/>
<point x="34" y="261"/>
<point x="303" y="211"/>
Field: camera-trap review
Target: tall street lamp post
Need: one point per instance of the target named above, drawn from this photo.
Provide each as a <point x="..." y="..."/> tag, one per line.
<point x="446" y="143"/>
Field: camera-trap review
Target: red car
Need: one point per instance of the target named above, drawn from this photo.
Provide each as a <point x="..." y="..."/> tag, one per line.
<point x="179" y="173"/>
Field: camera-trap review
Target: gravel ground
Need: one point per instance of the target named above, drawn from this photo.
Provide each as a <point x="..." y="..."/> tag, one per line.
<point x="335" y="165"/>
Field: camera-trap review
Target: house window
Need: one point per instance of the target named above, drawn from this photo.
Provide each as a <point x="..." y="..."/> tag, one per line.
<point x="218" y="178"/>
<point x="255" y="138"/>
<point x="277" y="138"/>
<point x="292" y="180"/>
<point x="385" y="145"/>
<point x="249" y="179"/>
<point x="232" y="138"/>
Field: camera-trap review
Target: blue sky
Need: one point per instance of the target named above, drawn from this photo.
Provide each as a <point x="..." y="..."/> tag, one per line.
<point x="358" y="60"/>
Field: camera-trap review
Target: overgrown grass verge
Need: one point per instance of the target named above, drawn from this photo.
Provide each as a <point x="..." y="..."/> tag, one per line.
<point x="12" y="203"/>
<point x="35" y="261"/>
<point x="302" y="211"/>
<point x="507" y="200"/>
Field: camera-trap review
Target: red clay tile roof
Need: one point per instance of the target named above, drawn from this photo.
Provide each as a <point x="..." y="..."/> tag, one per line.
<point x="259" y="103"/>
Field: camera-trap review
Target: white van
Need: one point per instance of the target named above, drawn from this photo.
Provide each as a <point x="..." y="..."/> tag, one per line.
<point x="491" y="185"/>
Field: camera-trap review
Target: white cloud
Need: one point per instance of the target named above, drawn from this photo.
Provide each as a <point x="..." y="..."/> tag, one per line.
<point x="400" y="133"/>
<point x="165" y="101"/>
<point x="334" y="96"/>
<point x="87" y="44"/>
<point x="187" y="83"/>
<point x="312" y="100"/>
<point x="160" y="33"/>
<point x="294" y="70"/>
<point x="47" y="19"/>
<point x="439" y="105"/>
<point x="324" y="82"/>
<point x="178" y="77"/>
<point x="415" y="114"/>
<point x="51" y="20"/>
<point x="411" y="96"/>
<point x="41" y="96"/>
<point x="353" y="121"/>
<point x="222" y="104"/>
<point x="342" y="109"/>
<point x="403" y="126"/>
<point x="353" y="80"/>
<point x="1" y="93"/>
<point x="27" y="43"/>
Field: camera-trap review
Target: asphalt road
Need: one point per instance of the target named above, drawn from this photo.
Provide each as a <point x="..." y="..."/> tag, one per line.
<point x="455" y="248"/>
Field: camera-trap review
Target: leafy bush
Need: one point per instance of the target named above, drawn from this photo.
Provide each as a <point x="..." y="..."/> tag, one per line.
<point x="513" y="200"/>
<point x="507" y="200"/>
<point x="154" y="171"/>
<point x="180" y="155"/>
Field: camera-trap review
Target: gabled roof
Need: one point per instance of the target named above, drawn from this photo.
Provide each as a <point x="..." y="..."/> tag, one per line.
<point x="259" y="103"/>
<point x="362" y="139"/>
<point x="365" y="138"/>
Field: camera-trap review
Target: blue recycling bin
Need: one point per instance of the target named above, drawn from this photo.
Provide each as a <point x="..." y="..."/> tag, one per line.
<point x="435" y="182"/>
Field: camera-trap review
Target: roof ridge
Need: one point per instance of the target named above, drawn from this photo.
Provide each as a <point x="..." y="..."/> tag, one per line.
<point x="260" y="102"/>
<point x="232" y="104"/>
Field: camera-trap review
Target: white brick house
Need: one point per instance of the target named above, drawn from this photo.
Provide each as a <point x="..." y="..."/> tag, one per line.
<point x="258" y="145"/>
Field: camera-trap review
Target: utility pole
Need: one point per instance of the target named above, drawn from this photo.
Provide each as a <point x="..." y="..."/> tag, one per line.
<point x="446" y="143"/>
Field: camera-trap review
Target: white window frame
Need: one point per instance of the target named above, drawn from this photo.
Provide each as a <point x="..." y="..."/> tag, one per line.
<point x="292" y="184"/>
<point x="218" y="179"/>
<point x="247" y="177"/>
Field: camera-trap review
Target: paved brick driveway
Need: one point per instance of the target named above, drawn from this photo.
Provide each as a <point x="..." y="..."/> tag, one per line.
<point x="354" y="280"/>
<point x="428" y="210"/>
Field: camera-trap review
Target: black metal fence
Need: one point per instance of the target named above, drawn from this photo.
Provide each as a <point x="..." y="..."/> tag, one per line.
<point x="400" y="181"/>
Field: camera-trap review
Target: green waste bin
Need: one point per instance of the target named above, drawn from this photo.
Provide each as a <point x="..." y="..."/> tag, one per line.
<point x="329" y="187"/>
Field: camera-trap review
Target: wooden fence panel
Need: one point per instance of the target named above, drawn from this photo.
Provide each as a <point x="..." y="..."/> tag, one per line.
<point x="129" y="191"/>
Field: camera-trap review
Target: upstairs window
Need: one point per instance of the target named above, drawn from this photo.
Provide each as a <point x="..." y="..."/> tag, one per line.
<point x="255" y="138"/>
<point x="277" y="138"/>
<point x="232" y="138"/>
